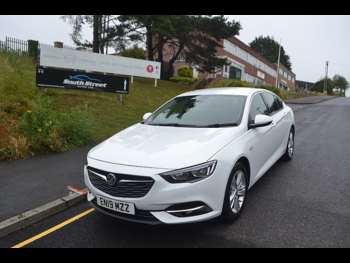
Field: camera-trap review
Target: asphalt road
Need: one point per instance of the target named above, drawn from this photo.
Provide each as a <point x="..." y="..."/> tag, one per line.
<point x="303" y="203"/>
<point x="27" y="184"/>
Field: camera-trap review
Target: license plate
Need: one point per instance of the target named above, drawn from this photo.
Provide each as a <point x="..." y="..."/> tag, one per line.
<point x="116" y="205"/>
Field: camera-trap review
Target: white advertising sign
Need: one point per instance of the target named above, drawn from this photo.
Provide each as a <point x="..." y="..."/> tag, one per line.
<point x="88" y="61"/>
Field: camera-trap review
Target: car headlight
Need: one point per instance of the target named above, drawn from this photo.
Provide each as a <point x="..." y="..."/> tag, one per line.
<point x="190" y="174"/>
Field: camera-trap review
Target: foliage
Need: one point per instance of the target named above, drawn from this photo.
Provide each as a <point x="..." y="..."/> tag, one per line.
<point x="268" y="48"/>
<point x="201" y="41"/>
<point x="69" y="117"/>
<point x="196" y="36"/>
<point x="134" y="52"/>
<point x="15" y="74"/>
<point x="277" y="91"/>
<point x="340" y="82"/>
<point x="50" y="130"/>
<point x="183" y="80"/>
<point x="185" y="71"/>
<point x="241" y="83"/>
<point x="230" y="83"/>
<point x="107" y="32"/>
<point x="319" y="86"/>
<point x="150" y="29"/>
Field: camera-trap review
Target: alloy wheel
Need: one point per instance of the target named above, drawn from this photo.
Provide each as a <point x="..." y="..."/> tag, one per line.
<point x="291" y="145"/>
<point x="237" y="191"/>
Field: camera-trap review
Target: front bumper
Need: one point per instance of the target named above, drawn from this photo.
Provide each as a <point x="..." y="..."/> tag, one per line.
<point x="157" y="205"/>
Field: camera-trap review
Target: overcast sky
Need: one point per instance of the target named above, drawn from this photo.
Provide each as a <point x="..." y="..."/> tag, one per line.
<point x="309" y="40"/>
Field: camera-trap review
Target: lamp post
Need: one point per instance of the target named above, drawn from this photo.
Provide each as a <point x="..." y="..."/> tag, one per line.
<point x="278" y="63"/>
<point x="326" y="77"/>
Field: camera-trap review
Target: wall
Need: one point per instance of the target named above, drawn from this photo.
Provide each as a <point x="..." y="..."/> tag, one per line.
<point x="347" y="92"/>
<point x="255" y="68"/>
<point x="286" y="77"/>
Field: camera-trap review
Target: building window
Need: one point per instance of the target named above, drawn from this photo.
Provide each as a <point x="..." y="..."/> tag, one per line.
<point x="235" y="73"/>
<point x="261" y="74"/>
<point x="283" y="86"/>
<point x="181" y="57"/>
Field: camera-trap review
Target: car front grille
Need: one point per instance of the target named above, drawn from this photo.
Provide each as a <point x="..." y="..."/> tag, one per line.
<point x="128" y="186"/>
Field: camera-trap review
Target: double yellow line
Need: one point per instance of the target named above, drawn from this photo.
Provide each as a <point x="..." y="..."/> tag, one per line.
<point x="52" y="229"/>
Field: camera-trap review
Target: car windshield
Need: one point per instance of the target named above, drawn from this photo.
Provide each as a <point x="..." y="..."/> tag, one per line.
<point x="200" y="111"/>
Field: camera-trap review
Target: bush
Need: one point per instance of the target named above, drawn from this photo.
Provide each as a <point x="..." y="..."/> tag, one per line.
<point x="49" y="130"/>
<point x="134" y="52"/>
<point x="273" y="89"/>
<point x="241" y="83"/>
<point x="15" y="148"/>
<point x="185" y="72"/>
<point x="231" y="83"/>
<point x="183" y="80"/>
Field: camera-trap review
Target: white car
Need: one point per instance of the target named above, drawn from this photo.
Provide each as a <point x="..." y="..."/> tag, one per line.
<point x="193" y="159"/>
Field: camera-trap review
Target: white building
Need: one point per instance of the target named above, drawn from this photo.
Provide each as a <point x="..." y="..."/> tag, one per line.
<point x="347" y="92"/>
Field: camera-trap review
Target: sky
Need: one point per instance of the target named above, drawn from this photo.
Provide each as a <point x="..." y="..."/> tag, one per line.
<point x="309" y="40"/>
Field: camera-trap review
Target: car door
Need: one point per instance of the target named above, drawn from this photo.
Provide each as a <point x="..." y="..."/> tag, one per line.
<point x="260" y="146"/>
<point x="277" y="112"/>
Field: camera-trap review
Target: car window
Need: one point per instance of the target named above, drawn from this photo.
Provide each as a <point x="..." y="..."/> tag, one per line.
<point x="257" y="106"/>
<point x="200" y="111"/>
<point x="279" y="103"/>
<point x="273" y="103"/>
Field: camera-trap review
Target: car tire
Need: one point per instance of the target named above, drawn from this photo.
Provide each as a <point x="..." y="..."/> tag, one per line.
<point x="230" y="212"/>
<point x="289" y="153"/>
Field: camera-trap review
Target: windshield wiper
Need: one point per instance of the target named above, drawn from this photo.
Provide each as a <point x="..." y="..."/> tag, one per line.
<point x="218" y="125"/>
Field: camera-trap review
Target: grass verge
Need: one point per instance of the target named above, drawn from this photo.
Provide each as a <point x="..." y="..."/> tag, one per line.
<point x="34" y="121"/>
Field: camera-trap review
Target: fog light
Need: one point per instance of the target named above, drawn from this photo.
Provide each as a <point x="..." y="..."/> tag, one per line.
<point x="188" y="209"/>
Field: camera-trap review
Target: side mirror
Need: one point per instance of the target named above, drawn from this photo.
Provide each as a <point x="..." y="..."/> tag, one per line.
<point x="146" y="115"/>
<point x="261" y="121"/>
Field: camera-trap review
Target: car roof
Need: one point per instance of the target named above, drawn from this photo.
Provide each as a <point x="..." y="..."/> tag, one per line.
<point x="223" y="91"/>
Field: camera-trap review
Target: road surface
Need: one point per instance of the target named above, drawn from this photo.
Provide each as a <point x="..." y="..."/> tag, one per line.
<point x="303" y="203"/>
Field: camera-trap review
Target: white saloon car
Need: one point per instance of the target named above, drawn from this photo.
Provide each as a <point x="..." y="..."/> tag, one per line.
<point x="193" y="159"/>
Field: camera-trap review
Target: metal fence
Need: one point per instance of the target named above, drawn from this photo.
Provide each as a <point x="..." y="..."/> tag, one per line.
<point x="14" y="45"/>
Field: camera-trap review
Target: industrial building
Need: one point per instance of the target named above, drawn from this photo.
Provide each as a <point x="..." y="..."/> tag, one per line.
<point x="246" y="64"/>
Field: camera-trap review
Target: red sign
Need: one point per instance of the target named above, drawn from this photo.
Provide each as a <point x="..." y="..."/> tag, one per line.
<point x="150" y="68"/>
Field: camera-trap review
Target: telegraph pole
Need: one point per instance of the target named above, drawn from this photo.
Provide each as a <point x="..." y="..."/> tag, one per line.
<point x="278" y="64"/>
<point x="326" y="77"/>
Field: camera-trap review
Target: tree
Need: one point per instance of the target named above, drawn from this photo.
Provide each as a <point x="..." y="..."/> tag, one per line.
<point x="134" y="52"/>
<point x="200" y="38"/>
<point x="268" y="48"/>
<point x="340" y="82"/>
<point x="195" y="36"/>
<point x="147" y="27"/>
<point x="107" y="32"/>
<point x="319" y="86"/>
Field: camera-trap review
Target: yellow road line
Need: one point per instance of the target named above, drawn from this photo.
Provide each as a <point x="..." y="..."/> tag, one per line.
<point x="52" y="229"/>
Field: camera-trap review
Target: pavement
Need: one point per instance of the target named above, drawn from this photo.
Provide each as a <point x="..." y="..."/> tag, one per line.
<point x="310" y="100"/>
<point x="27" y="184"/>
<point x="303" y="203"/>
